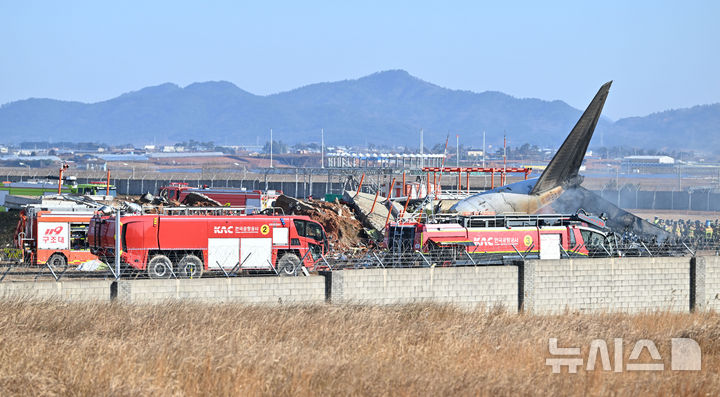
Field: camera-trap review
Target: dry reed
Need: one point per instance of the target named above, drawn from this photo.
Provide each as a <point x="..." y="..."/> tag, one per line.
<point x="55" y="348"/>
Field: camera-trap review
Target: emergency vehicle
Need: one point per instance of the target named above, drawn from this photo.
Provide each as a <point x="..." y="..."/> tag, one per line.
<point x="57" y="237"/>
<point x="192" y="244"/>
<point x="225" y="196"/>
<point x="450" y="237"/>
<point x="9" y="190"/>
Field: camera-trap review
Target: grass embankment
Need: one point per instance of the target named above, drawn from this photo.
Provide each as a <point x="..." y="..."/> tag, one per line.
<point x="107" y="349"/>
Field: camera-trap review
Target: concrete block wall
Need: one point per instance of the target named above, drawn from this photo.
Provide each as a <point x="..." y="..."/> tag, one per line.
<point x="604" y="284"/>
<point x="253" y="290"/>
<point x="707" y="284"/>
<point x="68" y="291"/>
<point x="607" y="284"/>
<point x="487" y="286"/>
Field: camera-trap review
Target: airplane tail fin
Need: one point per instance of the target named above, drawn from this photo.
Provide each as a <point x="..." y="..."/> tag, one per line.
<point x="564" y="166"/>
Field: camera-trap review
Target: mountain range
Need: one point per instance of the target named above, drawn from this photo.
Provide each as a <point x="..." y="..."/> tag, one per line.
<point x="387" y="107"/>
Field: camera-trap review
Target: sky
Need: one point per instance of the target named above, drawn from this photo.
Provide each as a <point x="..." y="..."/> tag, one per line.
<point x="661" y="54"/>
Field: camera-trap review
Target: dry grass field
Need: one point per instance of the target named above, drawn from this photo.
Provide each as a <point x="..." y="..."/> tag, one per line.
<point x="232" y="350"/>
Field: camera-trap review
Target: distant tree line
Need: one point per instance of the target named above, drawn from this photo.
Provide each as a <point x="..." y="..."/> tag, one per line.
<point x="63" y="145"/>
<point x="623" y="151"/>
<point x="278" y="147"/>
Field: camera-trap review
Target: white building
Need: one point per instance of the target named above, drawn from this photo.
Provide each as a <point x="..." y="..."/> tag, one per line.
<point x="648" y="164"/>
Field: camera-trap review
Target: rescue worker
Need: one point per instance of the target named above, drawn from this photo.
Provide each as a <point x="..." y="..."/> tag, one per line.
<point x="708" y="231"/>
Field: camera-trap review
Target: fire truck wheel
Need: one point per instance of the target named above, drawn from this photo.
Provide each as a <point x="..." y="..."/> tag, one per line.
<point x="288" y="265"/>
<point x="58" y="262"/>
<point x="159" y="267"/>
<point x="190" y="266"/>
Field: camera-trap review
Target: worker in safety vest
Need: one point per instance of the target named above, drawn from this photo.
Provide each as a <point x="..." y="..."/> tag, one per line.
<point x="708" y="231"/>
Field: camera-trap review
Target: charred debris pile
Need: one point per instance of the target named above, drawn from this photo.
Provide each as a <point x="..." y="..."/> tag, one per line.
<point x="344" y="229"/>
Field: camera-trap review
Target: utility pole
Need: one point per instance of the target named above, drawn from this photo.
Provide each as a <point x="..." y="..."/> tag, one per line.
<point x="322" y="148"/>
<point x="118" y="238"/>
<point x="422" y="159"/>
<point x="457" y="150"/>
<point x="483" y="149"/>
<point x="271" y="148"/>
<point x="504" y="175"/>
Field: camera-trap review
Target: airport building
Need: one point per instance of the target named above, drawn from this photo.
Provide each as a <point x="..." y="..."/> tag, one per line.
<point x="648" y="164"/>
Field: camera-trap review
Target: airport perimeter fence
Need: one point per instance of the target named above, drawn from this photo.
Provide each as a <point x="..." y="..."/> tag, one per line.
<point x="306" y="182"/>
<point x="299" y="184"/>
<point x="188" y="264"/>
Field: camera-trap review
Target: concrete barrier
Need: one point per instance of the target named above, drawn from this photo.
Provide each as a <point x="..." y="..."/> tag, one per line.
<point x="253" y="290"/>
<point x="487" y="286"/>
<point x="706" y="274"/>
<point x="607" y="284"/>
<point x="69" y="291"/>
<point x="627" y="285"/>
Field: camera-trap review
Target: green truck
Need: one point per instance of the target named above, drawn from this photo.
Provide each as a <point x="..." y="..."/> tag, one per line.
<point x="11" y="190"/>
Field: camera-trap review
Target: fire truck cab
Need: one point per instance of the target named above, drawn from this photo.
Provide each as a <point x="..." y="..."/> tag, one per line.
<point x="531" y="236"/>
<point x="57" y="237"/>
<point x="191" y="244"/>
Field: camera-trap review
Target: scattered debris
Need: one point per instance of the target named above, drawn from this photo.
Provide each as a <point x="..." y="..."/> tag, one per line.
<point x="372" y="210"/>
<point x="92" y="265"/>
<point x="443" y="206"/>
<point x="8" y="222"/>
<point x="200" y="200"/>
<point x="146" y="198"/>
<point x="343" y="229"/>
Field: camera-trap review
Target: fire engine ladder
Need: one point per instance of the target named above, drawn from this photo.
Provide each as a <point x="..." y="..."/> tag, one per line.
<point x="398" y="246"/>
<point x="507" y="220"/>
<point x="205" y="210"/>
<point x="223" y="211"/>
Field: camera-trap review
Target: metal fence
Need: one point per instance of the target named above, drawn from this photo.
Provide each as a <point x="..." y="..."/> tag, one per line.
<point x="13" y="268"/>
<point x="307" y="182"/>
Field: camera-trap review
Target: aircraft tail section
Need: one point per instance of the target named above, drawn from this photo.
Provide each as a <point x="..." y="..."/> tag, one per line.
<point x="564" y="166"/>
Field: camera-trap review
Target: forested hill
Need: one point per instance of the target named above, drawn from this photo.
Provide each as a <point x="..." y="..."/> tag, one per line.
<point x="383" y="108"/>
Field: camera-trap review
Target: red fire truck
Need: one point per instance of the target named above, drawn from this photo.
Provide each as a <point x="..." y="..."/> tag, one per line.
<point x="57" y="237"/>
<point x="542" y="236"/>
<point x="191" y="244"/>
<point x="225" y="196"/>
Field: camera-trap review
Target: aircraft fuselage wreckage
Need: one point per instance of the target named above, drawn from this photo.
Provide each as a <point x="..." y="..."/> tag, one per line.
<point x="559" y="185"/>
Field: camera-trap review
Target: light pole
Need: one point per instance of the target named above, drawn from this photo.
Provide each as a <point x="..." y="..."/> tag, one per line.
<point x="617" y="183"/>
<point x="271" y="149"/>
<point x="118" y="238"/>
<point x="483" y="165"/>
<point x="422" y="146"/>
